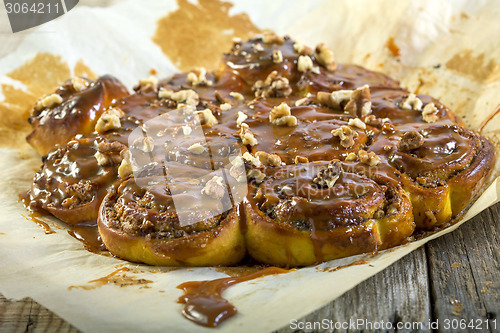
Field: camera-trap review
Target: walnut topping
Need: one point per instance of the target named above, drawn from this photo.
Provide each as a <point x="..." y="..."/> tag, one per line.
<point x="197" y="149"/>
<point x="329" y="176"/>
<point x="351" y="157"/>
<point x="237" y="170"/>
<point x="302" y="101"/>
<point x="359" y="103"/>
<point x="368" y="158"/>
<point x="125" y="169"/>
<point x="277" y="57"/>
<point x="410" y="140"/>
<point x="335" y="99"/>
<point x="225" y="106"/>
<point x="257" y="47"/>
<point x="281" y="116"/>
<point x="325" y="57"/>
<point x="304" y="63"/>
<point x="268" y="159"/>
<point x="376" y="122"/>
<point x="108" y="153"/>
<point x="302" y="49"/>
<point x="79" y="193"/>
<point x="79" y="83"/>
<point x="300" y="159"/>
<point x="109" y="120"/>
<point x="256" y="174"/>
<point x="199" y="77"/>
<point x="188" y="96"/>
<point x="430" y="113"/>
<point x="356" y="122"/>
<point x="346" y="136"/>
<point x="252" y="160"/>
<point x="207" y="117"/>
<point x="247" y="137"/>
<point x="146" y="144"/>
<point x="237" y="96"/>
<point x="48" y="101"/>
<point x="149" y="83"/>
<point x="412" y="102"/>
<point x="241" y="118"/>
<point x="269" y="37"/>
<point x="215" y="188"/>
<point x="273" y="86"/>
<point x="186" y="130"/>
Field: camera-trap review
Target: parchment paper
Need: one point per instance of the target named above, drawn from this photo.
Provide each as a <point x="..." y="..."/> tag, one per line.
<point x="450" y="50"/>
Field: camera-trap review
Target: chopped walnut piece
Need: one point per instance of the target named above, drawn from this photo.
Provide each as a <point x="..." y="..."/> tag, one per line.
<point x="198" y="77"/>
<point x="237" y="170"/>
<point x="325" y="57"/>
<point x="368" y="158"/>
<point x="302" y="49"/>
<point x="197" y="149"/>
<point x="125" y="169"/>
<point x="351" y="157"/>
<point x="108" y="153"/>
<point x="277" y="57"/>
<point x="79" y="83"/>
<point x="335" y="99"/>
<point x="410" y="140"/>
<point x="207" y="117"/>
<point x="149" y="83"/>
<point x="215" y="188"/>
<point x="247" y="137"/>
<point x="237" y="96"/>
<point x="257" y="47"/>
<point x="346" y="136"/>
<point x="359" y="103"/>
<point x="329" y="176"/>
<point x="412" y="102"/>
<point x="376" y="122"/>
<point x="186" y="130"/>
<point x="356" y="122"/>
<point x="430" y="113"/>
<point x="304" y="63"/>
<point x="241" y="118"/>
<point x="252" y="160"/>
<point x="48" y="101"/>
<point x="145" y="144"/>
<point x="256" y="174"/>
<point x="302" y="101"/>
<point x="188" y="96"/>
<point x="300" y="159"/>
<point x="269" y="37"/>
<point x="273" y="86"/>
<point x="268" y="159"/>
<point x="109" y="120"/>
<point x="225" y="106"/>
<point x="281" y="116"/>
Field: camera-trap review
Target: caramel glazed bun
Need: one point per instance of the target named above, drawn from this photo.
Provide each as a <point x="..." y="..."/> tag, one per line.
<point x="281" y="154"/>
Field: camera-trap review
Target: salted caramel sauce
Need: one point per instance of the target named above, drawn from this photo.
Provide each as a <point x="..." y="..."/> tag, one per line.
<point x="117" y="277"/>
<point x="88" y="234"/>
<point x="35" y="217"/>
<point x="203" y="301"/>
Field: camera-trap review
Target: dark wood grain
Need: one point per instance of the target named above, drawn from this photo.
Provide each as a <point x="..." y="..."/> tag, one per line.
<point x="421" y="287"/>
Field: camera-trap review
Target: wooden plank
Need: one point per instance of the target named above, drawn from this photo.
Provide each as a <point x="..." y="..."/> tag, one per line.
<point x="27" y="315"/>
<point x="464" y="270"/>
<point x="397" y="294"/>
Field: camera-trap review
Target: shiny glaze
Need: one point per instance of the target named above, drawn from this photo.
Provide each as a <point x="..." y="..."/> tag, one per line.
<point x="203" y="301"/>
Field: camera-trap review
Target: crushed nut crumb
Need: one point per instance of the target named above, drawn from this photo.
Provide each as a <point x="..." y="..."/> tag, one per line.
<point x="225" y="106"/>
<point x="237" y="96"/>
<point x="247" y="137"/>
<point x="369" y="158"/>
<point x="197" y="149"/>
<point x="206" y="117"/>
<point x="268" y="159"/>
<point x="149" y="83"/>
<point x="304" y="63"/>
<point x="359" y="104"/>
<point x="188" y="96"/>
<point x="430" y="113"/>
<point x="351" y="157"/>
<point x="300" y="159"/>
<point x="109" y="120"/>
<point x="186" y="130"/>
<point x="346" y="136"/>
<point x="372" y="120"/>
<point x="79" y="83"/>
<point x="269" y="37"/>
<point x="256" y="174"/>
<point x="410" y="140"/>
<point x="252" y="160"/>
<point x="198" y="77"/>
<point x="277" y="57"/>
<point x="215" y="188"/>
<point x="302" y="49"/>
<point x="237" y="170"/>
<point x="356" y="122"/>
<point x="125" y="169"/>
<point x="329" y="176"/>
<point x="273" y="86"/>
<point x="325" y="57"/>
<point x="412" y="102"/>
<point x="302" y="101"/>
<point x="241" y="118"/>
<point x="281" y="116"/>
<point x="145" y="144"/>
<point x="335" y="99"/>
<point x="48" y="101"/>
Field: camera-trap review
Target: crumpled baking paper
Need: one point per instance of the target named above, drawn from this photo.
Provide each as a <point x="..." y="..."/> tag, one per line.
<point x="444" y="50"/>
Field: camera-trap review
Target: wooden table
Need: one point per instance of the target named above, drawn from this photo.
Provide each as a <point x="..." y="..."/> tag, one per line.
<point x="451" y="278"/>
